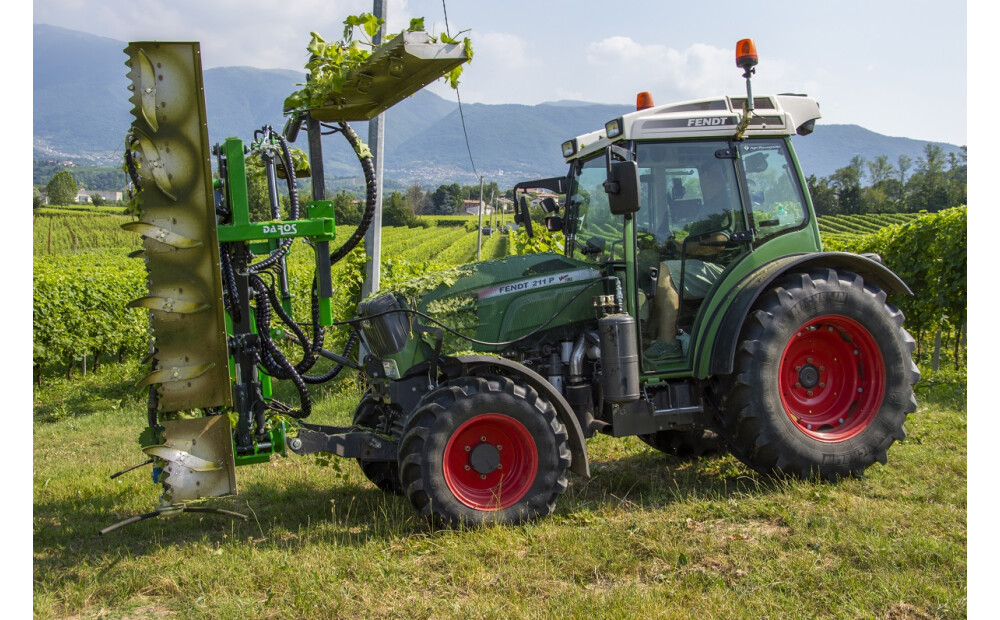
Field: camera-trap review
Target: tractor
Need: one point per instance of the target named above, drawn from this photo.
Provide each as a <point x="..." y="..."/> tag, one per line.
<point x="693" y="306"/>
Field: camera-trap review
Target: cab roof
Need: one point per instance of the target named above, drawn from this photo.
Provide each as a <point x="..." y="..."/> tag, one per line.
<point x="785" y="114"/>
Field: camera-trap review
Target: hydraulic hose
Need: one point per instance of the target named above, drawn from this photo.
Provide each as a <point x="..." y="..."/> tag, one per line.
<point x="268" y="355"/>
<point x="271" y="358"/>
<point x="371" y="195"/>
<point x="293" y="199"/>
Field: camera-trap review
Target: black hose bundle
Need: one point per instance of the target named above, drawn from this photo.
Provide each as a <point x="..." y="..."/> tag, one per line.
<point x="268" y="355"/>
<point x="293" y="197"/>
<point x="371" y="194"/>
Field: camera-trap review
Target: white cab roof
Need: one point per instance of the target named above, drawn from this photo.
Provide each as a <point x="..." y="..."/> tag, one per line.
<point x="715" y="117"/>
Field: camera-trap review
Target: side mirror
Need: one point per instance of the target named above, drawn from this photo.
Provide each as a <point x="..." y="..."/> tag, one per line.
<point x="525" y="217"/>
<point x="549" y="204"/>
<point x="622" y="187"/>
<point x="554" y="223"/>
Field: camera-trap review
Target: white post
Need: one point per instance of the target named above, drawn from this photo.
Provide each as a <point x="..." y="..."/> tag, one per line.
<point x="479" y="244"/>
<point x="376" y="142"/>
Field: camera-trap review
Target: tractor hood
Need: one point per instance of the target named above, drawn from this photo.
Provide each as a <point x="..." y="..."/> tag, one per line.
<point x="492" y="301"/>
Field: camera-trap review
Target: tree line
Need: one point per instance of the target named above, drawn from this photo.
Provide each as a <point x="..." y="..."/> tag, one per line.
<point x="937" y="181"/>
<point x="931" y="183"/>
<point x="402" y="208"/>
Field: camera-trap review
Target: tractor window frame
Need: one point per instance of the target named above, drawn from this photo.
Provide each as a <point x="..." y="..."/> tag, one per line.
<point x="793" y="191"/>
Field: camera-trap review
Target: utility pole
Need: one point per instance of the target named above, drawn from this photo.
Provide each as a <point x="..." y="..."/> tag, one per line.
<point x="493" y="213"/>
<point x="376" y="140"/>
<point x="482" y="205"/>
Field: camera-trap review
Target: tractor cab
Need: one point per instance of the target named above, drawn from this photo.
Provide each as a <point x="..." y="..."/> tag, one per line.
<point x="707" y="196"/>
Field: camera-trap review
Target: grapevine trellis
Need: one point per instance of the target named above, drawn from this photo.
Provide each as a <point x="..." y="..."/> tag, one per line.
<point x="81" y="289"/>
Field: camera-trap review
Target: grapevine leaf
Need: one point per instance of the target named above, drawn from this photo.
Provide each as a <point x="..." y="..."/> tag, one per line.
<point x="416" y="24"/>
<point x="362" y="150"/>
<point x="452" y="76"/>
<point x="372" y="24"/>
<point x="317" y="46"/>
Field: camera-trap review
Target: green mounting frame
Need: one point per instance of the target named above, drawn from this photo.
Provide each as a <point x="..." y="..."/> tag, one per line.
<point x="318" y="226"/>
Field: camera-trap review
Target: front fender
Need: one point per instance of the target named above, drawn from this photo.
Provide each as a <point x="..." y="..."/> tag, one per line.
<point x="728" y="324"/>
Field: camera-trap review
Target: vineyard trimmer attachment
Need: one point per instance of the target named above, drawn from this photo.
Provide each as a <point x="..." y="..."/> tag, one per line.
<point x="217" y="279"/>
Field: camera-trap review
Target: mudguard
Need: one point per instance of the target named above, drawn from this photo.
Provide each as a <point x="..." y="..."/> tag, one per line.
<point x="728" y="324"/>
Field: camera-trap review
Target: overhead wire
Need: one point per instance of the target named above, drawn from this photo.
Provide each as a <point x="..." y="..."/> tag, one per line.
<point x="461" y="113"/>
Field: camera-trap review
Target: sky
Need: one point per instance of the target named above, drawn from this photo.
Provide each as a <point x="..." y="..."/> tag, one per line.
<point x="894" y="67"/>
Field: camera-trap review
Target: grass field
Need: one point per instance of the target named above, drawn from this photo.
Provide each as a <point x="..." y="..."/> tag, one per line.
<point x="647" y="536"/>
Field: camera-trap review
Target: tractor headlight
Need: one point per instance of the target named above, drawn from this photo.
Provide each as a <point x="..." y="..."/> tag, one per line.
<point x="569" y="148"/>
<point x="390" y="369"/>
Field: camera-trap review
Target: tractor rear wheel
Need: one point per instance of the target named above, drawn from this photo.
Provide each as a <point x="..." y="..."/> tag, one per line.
<point x="482" y="450"/>
<point x="382" y="418"/>
<point x="822" y="380"/>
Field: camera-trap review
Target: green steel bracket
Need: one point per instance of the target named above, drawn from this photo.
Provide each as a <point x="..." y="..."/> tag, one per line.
<point x="262" y="454"/>
<point x="315" y="229"/>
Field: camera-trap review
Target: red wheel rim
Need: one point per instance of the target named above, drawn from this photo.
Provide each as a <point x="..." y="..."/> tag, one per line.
<point x="490" y="462"/>
<point x="832" y="378"/>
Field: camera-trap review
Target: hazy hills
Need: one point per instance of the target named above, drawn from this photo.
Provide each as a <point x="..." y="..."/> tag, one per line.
<point x="81" y="113"/>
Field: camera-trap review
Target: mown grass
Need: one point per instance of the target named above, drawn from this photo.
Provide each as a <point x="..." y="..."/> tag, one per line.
<point x="646" y="536"/>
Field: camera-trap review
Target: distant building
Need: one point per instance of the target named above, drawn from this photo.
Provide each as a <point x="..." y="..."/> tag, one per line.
<point x="471" y="207"/>
<point x="107" y="195"/>
<point x="83" y="195"/>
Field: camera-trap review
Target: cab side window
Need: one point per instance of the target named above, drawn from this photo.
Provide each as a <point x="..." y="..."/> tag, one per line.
<point x="776" y="202"/>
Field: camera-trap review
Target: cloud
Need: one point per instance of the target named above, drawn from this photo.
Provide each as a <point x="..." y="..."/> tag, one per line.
<point x="258" y="33"/>
<point x="697" y="71"/>
<point x="500" y="70"/>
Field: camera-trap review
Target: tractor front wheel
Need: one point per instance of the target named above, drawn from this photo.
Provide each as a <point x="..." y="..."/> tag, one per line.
<point x="823" y="378"/>
<point x="382" y="418"/>
<point x="484" y="450"/>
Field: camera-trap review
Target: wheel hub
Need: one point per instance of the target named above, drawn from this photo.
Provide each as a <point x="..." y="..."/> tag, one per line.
<point x="809" y="376"/>
<point x="484" y="458"/>
<point x="490" y="462"/>
<point x="831" y="378"/>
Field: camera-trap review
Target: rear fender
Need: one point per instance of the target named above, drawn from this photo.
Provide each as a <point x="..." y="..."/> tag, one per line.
<point x="727" y="325"/>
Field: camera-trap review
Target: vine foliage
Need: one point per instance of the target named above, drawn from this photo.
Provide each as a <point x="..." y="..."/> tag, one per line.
<point x="331" y="64"/>
<point x="930" y="254"/>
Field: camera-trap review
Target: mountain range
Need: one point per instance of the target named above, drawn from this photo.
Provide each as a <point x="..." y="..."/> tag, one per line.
<point x="81" y="114"/>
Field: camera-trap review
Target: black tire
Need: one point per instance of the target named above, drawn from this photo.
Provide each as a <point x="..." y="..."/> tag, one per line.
<point x="384" y="419"/>
<point x="823" y="378"/>
<point x="686" y="444"/>
<point x="453" y="477"/>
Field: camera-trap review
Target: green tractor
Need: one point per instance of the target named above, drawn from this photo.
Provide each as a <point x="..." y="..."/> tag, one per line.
<point x="693" y="306"/>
